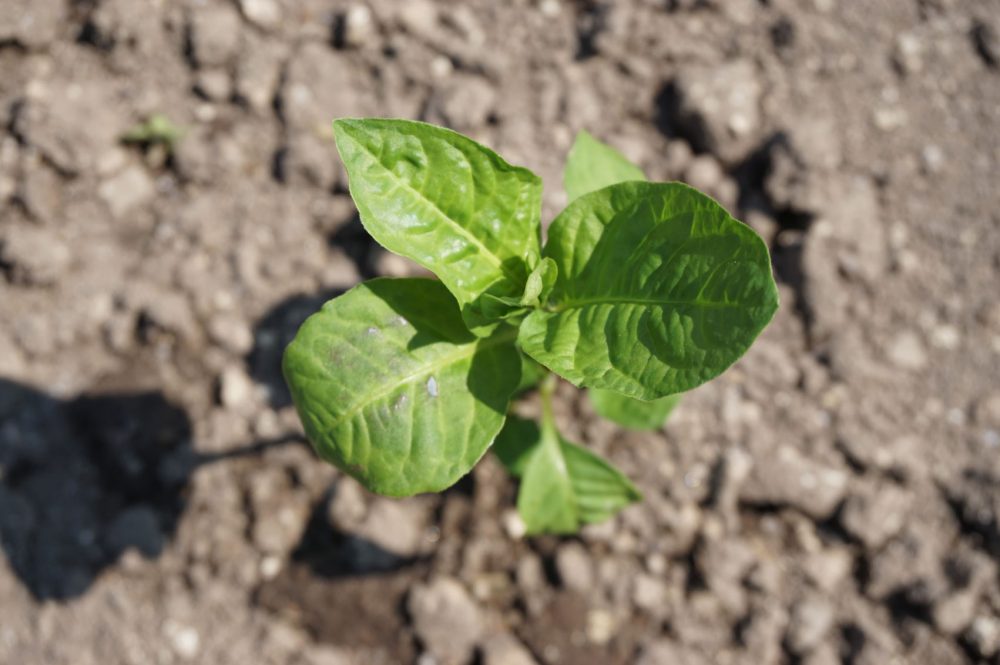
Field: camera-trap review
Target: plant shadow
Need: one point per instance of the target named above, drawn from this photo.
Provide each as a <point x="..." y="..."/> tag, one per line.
<point x="85" y="479"/>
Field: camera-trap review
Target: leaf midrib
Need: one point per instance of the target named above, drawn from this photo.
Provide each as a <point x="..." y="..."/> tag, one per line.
<point x="473" y="347"/>
<point x="649" y="302"/>
<point x="489" y="254"/>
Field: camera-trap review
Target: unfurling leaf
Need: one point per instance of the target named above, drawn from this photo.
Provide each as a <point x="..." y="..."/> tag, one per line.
<point x="394" y="389"/>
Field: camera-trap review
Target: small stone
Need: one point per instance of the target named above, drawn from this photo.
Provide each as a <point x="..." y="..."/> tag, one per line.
<point x="890" y="118"/>
<point x="258" y="72"/>
<point x="601" y="626"/>
<point x="876" y="514"/>
<point x="32" y="23"/>
<point x="231" y="332"/>
<point x="956" y="612"/>
<point x="214" y="84"/>
<point x="465" y="103"/>
<point x="668" y="652"/>
<point x="236" y="388"/>
<point x="446" y="620"/>
<point x="720" y="106"/>
<point x="908" y="53"/>
<point x="791" y="479"/>
<point x="33" y="256"/>
<point x="505" y="649"/>
<point x="932" y="158"/>
<point x="359" y="26"/>
<point x="214" y="33"/>
<point x="265" y="14"/>
<point x="575" y="569"/>
<point x="704" y="172"/>
<point x="827" y="569"/>
<point x="308" y="160"/>
<point x="185" y="640"/>
<point x="945" y="337"/>
<point x="811" y="621"/>
<point x="513" y="525"/>
<point x="984" y="636"/>
<point x="650" y="594"/>
<point x="419" y="17"/>
<point x="906" y="351"/>
<point x="127" y="190"/>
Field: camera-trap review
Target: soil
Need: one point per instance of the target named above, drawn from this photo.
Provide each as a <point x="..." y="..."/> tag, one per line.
<point x="833" y="498"/>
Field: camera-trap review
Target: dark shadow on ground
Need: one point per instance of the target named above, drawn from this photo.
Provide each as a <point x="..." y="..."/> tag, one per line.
<point x="83" y="480"/>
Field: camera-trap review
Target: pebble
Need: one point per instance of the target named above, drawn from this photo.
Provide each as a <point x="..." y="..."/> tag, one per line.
<point x="32" y="23"/>
<point x="956" y="612"/>
<point x="505" y="649"/>
<point x="236" y="388"/>
<point x="932" y="159"/>
<point x="876" y="514"/>
<point x="359" y="26"/>
<point x="720" y="105"/>
<point x="214" y="83"/>
<point x="704" y="172"/>
<point x="827" y="569"/>
<point x="811" y="621"/>
<point x="129" y="189"/>
<point x="984" y="636"/>
<point x="231" y="333"/>
<point x="906" y="351"/>
<point x="214" y="33"/>
<point x="791" y="479"/>
<point x="185" y="640"/>
<point x="32" y="255"/>
<point x="264" y="14"/>
<point x="446" y="620"/>
<point x="575" y="569"/>
<point x="908" y="53"/>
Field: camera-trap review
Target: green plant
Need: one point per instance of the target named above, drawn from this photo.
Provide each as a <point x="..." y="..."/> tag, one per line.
<point x="643" y="291"/>
<point x="158" y="129"/>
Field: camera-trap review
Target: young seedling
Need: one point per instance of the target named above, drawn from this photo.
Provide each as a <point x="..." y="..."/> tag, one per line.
<point x="642" y="291"/>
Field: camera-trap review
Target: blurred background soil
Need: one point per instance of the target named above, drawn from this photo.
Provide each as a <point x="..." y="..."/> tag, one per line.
<point x="833" y="498"/>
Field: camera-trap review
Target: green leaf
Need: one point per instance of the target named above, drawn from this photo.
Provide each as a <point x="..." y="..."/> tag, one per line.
<point x="393" y="389"/>
<point x="447" y="202"/>
<point x="592" y="165"/>
<point x="540" y="283"/>
<point x="563" y="485"/>
<point x="658" y="291"/>
<point x="515" y="444"/>
<point x="630" y="412"/>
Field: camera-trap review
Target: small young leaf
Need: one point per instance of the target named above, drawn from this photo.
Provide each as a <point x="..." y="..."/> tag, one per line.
<point x="592" y="165"/>
<point x="658" y="291"/>
<point x="393" y="388"/>
<point x="540" y="283"/>
<point x="450" y="204"/>
<point x="515" y="444"/>
<point x="563" y="485"/>
<point x="630" y="412"/>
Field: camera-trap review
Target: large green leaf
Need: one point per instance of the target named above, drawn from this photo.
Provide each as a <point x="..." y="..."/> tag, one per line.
<point x="563" y="485"/>
<point x="393" y="388"/>
<point x="630" y="412"/>
<point x="658" y="290"/>
<point x="447" y="202"/>
<point x="592" y="165"/>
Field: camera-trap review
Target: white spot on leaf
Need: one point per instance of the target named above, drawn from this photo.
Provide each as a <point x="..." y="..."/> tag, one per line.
<point x="373" y="331"/>
<point x="432" y="387"/>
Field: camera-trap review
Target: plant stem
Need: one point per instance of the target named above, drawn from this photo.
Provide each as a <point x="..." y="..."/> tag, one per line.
<point x="545" y="390"/>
